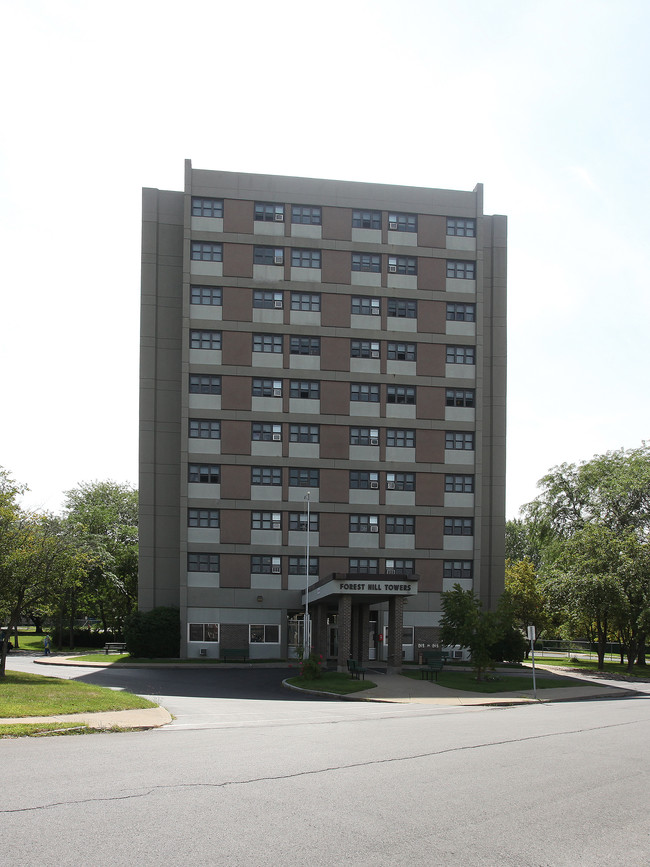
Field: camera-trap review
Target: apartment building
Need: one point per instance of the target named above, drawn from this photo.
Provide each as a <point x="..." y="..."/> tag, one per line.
<point x="323" y="375"/>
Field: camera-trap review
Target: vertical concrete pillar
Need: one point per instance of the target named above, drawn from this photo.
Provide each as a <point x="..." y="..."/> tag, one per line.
<point x="395" y="624"/>
<point x="345" y="631"/>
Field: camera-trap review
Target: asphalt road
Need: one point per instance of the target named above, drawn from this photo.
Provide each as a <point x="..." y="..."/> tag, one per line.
<point x="274" y="779"/>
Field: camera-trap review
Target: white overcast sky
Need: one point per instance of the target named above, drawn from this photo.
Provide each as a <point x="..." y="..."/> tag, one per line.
<point x="543" y="101"/>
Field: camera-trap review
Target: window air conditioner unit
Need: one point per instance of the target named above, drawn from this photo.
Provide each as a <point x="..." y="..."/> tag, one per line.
<point x="392" y="225"/>
<point x="374" y="441"/>
<point x="374" y="353"/>
<point x="391" y="571"/>
<point x="279" y="218"/>
<point x="390" y="486"/>
<point x="374" y="528"/>
<point x="275" y="570"/>
<point x="392" y="269"/>
<point x="277" y="305"/>
<point x="374" y="485"/>
<point x="277" y="438"/>
<point x="277" y="526"/>
<point x="374" y="311"/>
<point x="458" y="654"/>
<point x="278" y="260"/>
<point x="277" y="392"/>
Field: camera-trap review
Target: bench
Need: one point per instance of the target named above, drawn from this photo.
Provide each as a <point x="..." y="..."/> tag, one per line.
<point x="433" y="662"/>
<point x="355" y="670"/>
<point x="228" y="654"/>
<point x="115" y="647"/>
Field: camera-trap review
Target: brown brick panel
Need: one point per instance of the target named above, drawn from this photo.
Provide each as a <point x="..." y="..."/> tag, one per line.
<point x="335" y="310"/>
<point x="432" y="231"/>
<point x="237" y="304"/>
<point x="428" y="532"/>
<point x="337" y="224"/>
<point x="430" y="402"/>
<point x="234" y="636"/>
<point x="335" y="398"/>
<point x="432" y="317"/>
<point x="334" y="485"/>
<point x="235" y="485"/>
<point x="334" y="442"/>
<point x="431" y="359"/>
<point x="429" y="489"/>
<point x="430" y="572"/>
<point x="235" y="437"/>
<point x="238" y="216"/>
<point x="335" y="267"/>
<point x="334" y="353"/>
<point x="236" y="392"/>
<point x="237" y="260"/>
<point x="431" y="274"/>
<point x="328" y="565"/>
<point x="236" y="348"/>
<point x="430" y="446"/>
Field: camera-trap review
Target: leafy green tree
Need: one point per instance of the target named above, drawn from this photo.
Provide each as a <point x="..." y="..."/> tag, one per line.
<point x="525" y="596"/>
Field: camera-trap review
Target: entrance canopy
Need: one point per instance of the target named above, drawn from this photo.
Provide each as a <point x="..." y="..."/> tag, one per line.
<point x="364" y="587"/>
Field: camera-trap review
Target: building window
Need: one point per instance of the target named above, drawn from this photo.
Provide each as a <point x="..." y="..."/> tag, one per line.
<point x="459" y="484"/>
<point x="205" y="339"/>
<point x="267" y="300"/>
<point x="199" y="562"/>
<point x="461" y="312"/>
<point x="364" y="393"/>
<point x="363" y="565"/>
<point x="400" y="525"/>
<point x="307" y="301"/>
<point x="364" y="349"/>
<point x="265" y="564"/>
<point x="266" y="475"/>
<point x="203" y="631"/>
<point x="461" y="355"/>
<point x="304" y="433"/>
<point x="305" y="258"/>
<point x="459" y="440"/>
<point x="459" y="526"/>
<point x="267" y="343"/>
<point x="205" y="474"/>
<point x="461" y="270"/>
<point x="266" y="432"/>
<point x="364" y="436"/>
<point x="304" y="345"/>
<point x="363" y="480"/>
<point x="203" y="251"/>
<point x="365" y="306"/>
<point x="403" y="394"/>
<point x="207" y="207"/>
<point x="400" y="438"/>
<point x="459" y="397"/>
<point x="267" y="388"/>
<point x="401" y="351"/>
<point x="402" y="265"/>
<point x="266" y="521"/>
<point x="400" y="481"/>
<point x="400" y="566"/>
<point x="204" y="518"/>
<point x="364" y="524"/>
<point x="268" y="255"/>
<point x="268" y="212"/>
<point x="366" y="219"/>
<point x="366" y="262"/>
<point x="264" y="633"/>
<point x="308" y="389"/>
<point x="465" y="228"/>
<point x="402" y="222"/>
<point x="297" y="565"/>
<point x="205" y="429"/>
<point x="298" y="521"/>
<point x="211" y="296"/>
<point x="402" y="309"/>
<point x="306" y="214"/>
<point x="458" y="569"/>
<point x="201" y="383"/>
<point x="303" y="477"/>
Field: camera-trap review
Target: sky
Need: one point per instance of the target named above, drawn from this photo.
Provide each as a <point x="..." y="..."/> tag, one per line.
<point x="543" y="101"/>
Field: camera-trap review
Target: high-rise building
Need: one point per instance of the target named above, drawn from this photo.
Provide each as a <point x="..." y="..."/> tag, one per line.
<point x="327" y="348"/>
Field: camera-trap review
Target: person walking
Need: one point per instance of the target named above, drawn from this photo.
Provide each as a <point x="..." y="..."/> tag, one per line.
<point x="46" y="645"/>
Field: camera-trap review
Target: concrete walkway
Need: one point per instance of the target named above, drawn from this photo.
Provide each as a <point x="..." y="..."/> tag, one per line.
<point x="139" y="718"/>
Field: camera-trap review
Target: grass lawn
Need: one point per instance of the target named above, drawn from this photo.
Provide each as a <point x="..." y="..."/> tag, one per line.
<point x="338" y="682"/>
<point x="31" y="730"/>
<point x="23" y="694"/>
<point x="466" y="680"/>
<point x="592" y="665"/>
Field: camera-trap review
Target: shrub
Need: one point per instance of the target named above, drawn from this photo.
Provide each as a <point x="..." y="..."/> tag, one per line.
<point x="153" y="634"/>
<point x="510" y="646"/>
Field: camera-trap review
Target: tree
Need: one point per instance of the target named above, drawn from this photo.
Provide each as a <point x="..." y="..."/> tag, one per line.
<point x="525" y="596"/>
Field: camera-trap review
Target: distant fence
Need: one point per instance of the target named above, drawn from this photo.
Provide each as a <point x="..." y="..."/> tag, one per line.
<point x="576" y="648"/>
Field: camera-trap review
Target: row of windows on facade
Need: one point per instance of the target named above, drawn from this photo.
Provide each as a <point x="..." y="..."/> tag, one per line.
<point x="310" y="302"/>
<point x="209" y="251"/>
<point x="306" y="345"/>
<point x="311" y="215"/>
<point x="269" y="564"/>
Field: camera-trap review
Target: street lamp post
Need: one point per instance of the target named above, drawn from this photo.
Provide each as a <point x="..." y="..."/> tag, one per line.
<point x="306" y="630"/>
